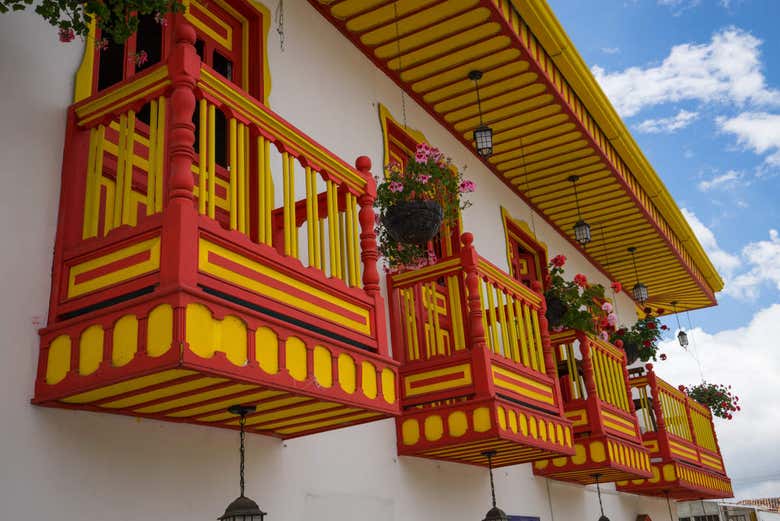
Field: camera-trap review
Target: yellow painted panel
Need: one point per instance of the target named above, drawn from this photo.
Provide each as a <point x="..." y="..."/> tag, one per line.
<point x="522" y="424"/>
<point x="267" y="350"/>
<point x="159" y="330"/>
<point x="347" y="373"/>
<point x="541" y="464"/>
<point x="233" y="340"/>
<point x="368" y="374"/>
<point x="125" y="342"/>
<point x="669" y="473"/>
<point x="532" y="427"/>
<point x="200" y="330"/>
<point x="221" y="415"/>
<point x="512" y="417"/>
<point x="195" y="398"/>
<point x="656" y="475"/>
<point x="465" y="379"/>
<point x="295" y="358"/>
<point x="90" y="349"/>
<point x="128" y="386"/>
<point x="222" y="405"/>
<point x="580" y="455"/>
<point x="410" y="432"/>
<point x="560" y="462"/>
<point x="283" y="417"/>
<point x="120" y="275"/>
<point x="542" y="430"/>
<point x="458" y="424"/>
<point x="545" y="397"/>
<point x="164" y="392"/>
<point x="501" y="414"/>
<point x="58" y="361"/>
<point x="362" y="324"/>
<point x="388" y="385"/>
<point x="597" y="452"/>
<point x="434" y="427"/>
<point x="481" y="417"/>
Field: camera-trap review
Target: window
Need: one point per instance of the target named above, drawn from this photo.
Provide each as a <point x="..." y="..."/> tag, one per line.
<point x="527" y="258"/>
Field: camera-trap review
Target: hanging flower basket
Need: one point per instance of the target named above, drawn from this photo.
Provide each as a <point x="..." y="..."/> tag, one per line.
<point x="556" y="310"/>
<point x="413" y="222"/>
<point x="631" y="349"/>
<point x="717" y="397"/>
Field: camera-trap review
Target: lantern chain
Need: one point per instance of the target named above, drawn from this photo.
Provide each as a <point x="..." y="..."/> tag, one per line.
<point x="242" y="422"/>
<point x="400" y="63"/>
<point x="598" y="492"/>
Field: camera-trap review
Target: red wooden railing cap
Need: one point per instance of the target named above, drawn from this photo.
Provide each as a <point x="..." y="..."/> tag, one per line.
<point x="467" y="238"/>
<point x="186" y="33"/>
<point x="363" y="163"/>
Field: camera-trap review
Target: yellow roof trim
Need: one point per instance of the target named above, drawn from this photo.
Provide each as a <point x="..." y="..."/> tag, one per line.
<point x="548" y="30"/>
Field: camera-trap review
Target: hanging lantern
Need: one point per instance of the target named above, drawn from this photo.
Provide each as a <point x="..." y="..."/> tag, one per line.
<point x="639" y="291"/>
<point x="242" y="508"/>
<point x="483" y="134"/>
<point x="601" y="505"/>
<point x="495" y="513"/>
<point x="682" y="336"/>
<point x="581" y="228"/>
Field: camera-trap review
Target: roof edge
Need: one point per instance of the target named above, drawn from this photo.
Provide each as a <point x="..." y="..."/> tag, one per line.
<point x="551" y="34"/>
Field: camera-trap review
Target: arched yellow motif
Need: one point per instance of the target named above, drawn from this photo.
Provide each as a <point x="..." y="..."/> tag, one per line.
<point x="125" y="340"/>
<point x="347" y="379"/>
<point x="206" y="335"/>
<point x="384" y="118"/>
<point x="457" y="424"/>
<point x="368" y="377"/>
<point x="434" y="427"/>
<point x="410" y="432"/>
<point x="159" y="330"/>
<point x="501" y="414"/>
<point x="580" y="456"/>
<point x="267" y="350"/>
<point x="669" y="472"/>
<point x="58" y="361"/>
<point x="597" y="451"/>
<point x="90" y="349"/>
<point x="295" y="358"/>
<point x="323" y="367"/>
<point x="512" y="417"/>
<point x="388" y="385"/>
<point x="481" y="417"/>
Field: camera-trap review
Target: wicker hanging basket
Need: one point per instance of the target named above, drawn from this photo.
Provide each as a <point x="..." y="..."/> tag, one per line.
<point x="413" y="222"/>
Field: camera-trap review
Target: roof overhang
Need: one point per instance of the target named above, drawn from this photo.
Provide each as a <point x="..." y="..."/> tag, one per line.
<point x="550" y="120"/>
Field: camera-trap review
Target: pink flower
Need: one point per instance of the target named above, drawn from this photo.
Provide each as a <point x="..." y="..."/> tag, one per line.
<point x="606" y="307"/>
<point x="558" y="261"/>
<point x="67" y="35"/>
<point x="101" y="44"/>
<point x="557" y="329"/>
<point x="141" y="58"/>
<point x="160" y="19"/>
<point x="581" y="280"/>
<point x="617" y="287"/>
<point x="420" y="158"/>
<point x="395" y="186"/>
<point x="603" y="336"/>
<point x="612" y="319"/>
<point x="423" y="178"/>
<point x="467" y="186"/>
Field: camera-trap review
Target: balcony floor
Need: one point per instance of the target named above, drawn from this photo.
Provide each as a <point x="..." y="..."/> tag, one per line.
<point x="681" y="481"/>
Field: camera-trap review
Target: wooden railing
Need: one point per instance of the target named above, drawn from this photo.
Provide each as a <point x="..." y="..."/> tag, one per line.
<point x="431" y="312"/>
<point x="678" y="426"/>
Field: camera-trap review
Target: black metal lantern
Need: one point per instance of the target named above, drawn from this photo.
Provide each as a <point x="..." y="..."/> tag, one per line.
<point x="581" y="228"/>
<point x="495" y="513"/>
<point x="483" y="134"/>
<point x="598" y="492"/>
<point x="682" y="336"/>
<point x="639" y="291"/>
<point x="242" y="508"/>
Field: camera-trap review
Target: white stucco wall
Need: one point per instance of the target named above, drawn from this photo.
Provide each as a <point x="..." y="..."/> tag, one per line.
<point x="65" y="465"/>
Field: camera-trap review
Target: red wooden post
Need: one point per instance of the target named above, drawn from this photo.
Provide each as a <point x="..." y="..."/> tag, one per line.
<point x="595" y="420"/>
<point x="631" y="407"/>
<point x="480" y="355"/>
<point x="369" y="254"/>
<point x="550" y="364"/>
<point x="179" y="262"/>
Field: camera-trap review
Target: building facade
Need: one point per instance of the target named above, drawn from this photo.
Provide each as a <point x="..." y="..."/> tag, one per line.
<point x="206" y="218"/>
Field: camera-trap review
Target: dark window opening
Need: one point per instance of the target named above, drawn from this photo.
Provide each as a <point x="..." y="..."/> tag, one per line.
<point x="149" y="39"/>
<point x="111" y="69"/>
<point x="145" y="114"/>
<point x="220" y="139"/>
<point x="199" y="48"/>
<point x="222" y="65"/>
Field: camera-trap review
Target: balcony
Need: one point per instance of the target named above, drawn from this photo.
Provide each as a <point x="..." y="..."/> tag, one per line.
<point x="181" y="285"/>
<point x="679" y="433"/>
<point x="476" y="367"/>
<point x="607" y="441"/>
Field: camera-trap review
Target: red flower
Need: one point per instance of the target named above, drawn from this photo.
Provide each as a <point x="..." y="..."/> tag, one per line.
<point x="660" y="311"/>
<point x="728" y="416"/>
<point x="647" y="343"/>
<point x="663" y="327"/>
<point x="647" y="311"/>
<point x="663" y="356"/>
<point x="651" y="325"/>
<point x="739" y="408"/>
<point x="580" y="280"/>
<point x="617" y="287"/>
<point x="67" y="35"/>
<point x="558" y="261"/>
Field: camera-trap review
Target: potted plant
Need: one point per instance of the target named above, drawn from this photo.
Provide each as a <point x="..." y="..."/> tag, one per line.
<point x="640" y="341"/>
<point x="414" y="201"/>
<point x="718" y="398"/>
<point x="576" y="304"/>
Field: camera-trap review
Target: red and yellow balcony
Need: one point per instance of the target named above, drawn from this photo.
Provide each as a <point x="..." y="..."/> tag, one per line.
<point x="679" y="433"/>
<point x="607" y="442"/>
<point x="181" y="286"/>
<point x="476" y="366"/>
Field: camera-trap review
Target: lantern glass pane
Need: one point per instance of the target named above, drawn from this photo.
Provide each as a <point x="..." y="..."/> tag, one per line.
<point x="483" y="140"/>
<point x="639" y="292"/>
<point x="682" y="336"/>
<point x="582" y="232"/>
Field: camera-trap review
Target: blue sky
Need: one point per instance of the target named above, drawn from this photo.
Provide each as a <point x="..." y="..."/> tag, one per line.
<point x="698" y="84"/>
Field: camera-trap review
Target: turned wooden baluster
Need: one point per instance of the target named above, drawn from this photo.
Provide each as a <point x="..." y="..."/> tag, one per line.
<point x="663" y="438"/>
<point x="593" y="405"/>
<point x="480" y="354"/>
<point x="551" y="367"/>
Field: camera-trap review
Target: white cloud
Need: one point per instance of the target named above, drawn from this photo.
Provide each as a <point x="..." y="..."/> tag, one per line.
<point x="757" y="265"/>
<point x="668" y="125"/>
<point x="745" y="358"/>
<point x="723" y="181"/>
<point x="728" y="69"/>
<point x="725" y="262"/>
<point x="758" y="131"/>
